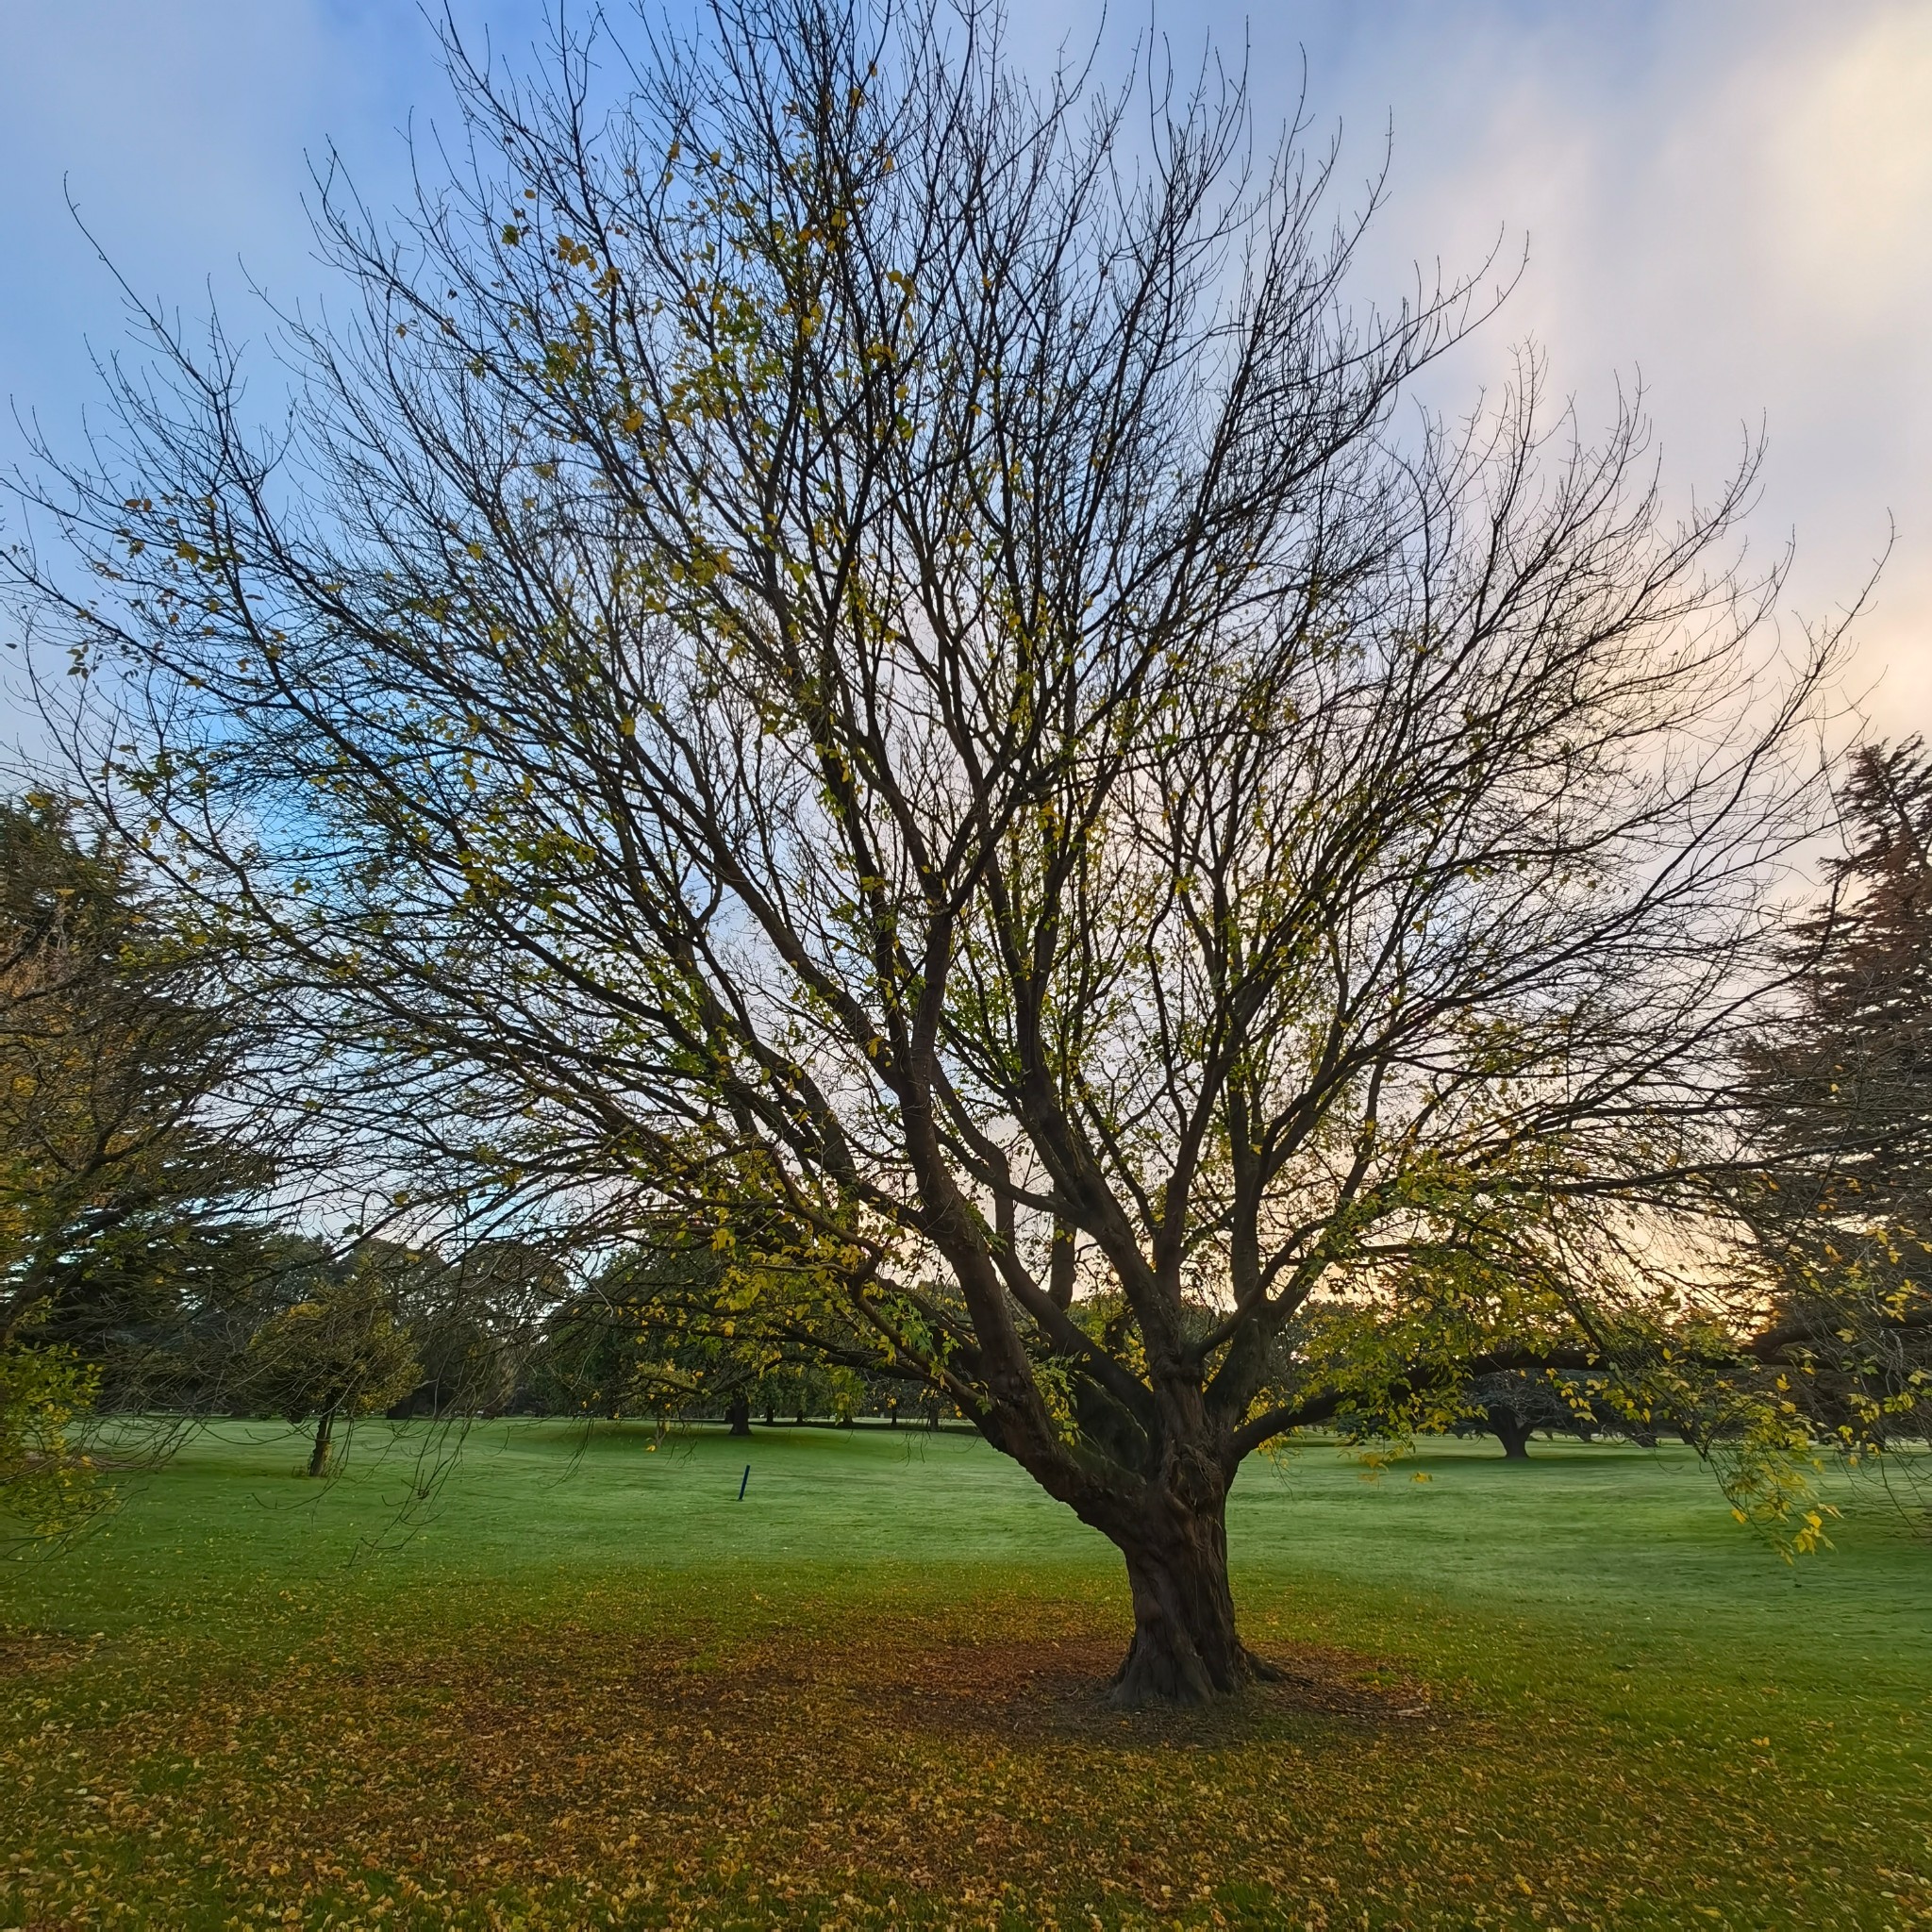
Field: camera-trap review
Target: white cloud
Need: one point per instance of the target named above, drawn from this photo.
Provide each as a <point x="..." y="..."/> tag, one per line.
<point x="1734" y="197"/>
<point x="1848" y="159"/>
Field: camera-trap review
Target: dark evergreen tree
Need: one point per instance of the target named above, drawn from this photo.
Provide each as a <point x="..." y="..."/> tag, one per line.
<point x="1845" y="1213"/>
<point x="474" y="1321"/>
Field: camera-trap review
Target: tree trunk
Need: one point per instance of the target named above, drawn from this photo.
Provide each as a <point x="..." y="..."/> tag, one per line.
<point x="318" y="1457"/>
<point x="1185" y="1649"/>
<point x="738" y="1416"/>
<point x="1511" y="1432"/>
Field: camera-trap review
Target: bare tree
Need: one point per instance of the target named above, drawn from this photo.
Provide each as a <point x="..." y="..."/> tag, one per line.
<point x="846" y="645"/>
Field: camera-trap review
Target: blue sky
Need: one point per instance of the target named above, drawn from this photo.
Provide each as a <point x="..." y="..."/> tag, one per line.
<point x="1733" y="197"/>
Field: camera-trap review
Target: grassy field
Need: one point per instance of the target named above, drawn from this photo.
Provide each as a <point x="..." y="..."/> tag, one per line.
<point x="583" y="1683"/>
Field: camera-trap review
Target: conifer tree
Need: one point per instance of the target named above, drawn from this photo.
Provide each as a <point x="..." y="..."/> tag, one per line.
<point x="1844" y="1090"/>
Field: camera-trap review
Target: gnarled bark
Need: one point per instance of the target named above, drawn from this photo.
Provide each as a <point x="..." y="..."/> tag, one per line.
<point x="1186" y="1648"/>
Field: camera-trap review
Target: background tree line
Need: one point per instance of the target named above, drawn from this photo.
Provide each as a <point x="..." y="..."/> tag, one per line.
<point x="152" y="1265"/>
<point x="142" y="1276"/>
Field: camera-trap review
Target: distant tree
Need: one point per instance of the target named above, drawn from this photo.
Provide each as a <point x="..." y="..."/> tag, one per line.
<point x="472" y="1320"/>
<point x="850" y="661"/>
<point x="683" y="1333"/>
<point x="1516" y="1405"/>
<point x="337" y="1355"/>
<point x="1843" y="1087"/>
<point x="583" y="1363"/>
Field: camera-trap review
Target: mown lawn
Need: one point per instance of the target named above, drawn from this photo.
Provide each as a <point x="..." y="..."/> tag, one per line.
<point x="583" y="1683"/>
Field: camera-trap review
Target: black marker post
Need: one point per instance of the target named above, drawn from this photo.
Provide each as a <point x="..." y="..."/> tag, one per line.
<point x="743" y="1480"/>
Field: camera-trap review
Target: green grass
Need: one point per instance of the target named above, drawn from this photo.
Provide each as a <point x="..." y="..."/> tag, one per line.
<point x="581" y="1683"/>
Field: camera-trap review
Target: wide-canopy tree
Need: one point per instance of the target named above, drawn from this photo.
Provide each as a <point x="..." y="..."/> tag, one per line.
<point x="862" y="646"/>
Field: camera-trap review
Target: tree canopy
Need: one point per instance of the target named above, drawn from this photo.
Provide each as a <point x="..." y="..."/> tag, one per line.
<point x="122" y="1195"/>
<point x="333" y="1355"/>
<point x="113" y="1046"/>
<point x="860" y="650"/>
